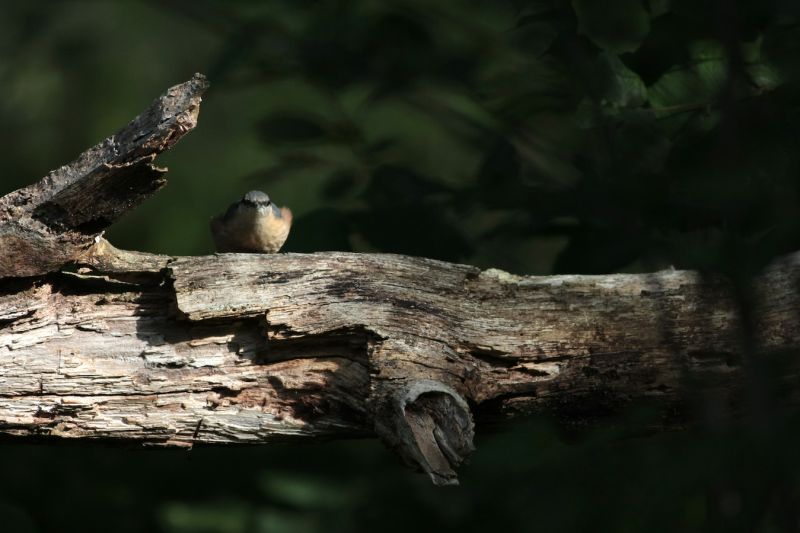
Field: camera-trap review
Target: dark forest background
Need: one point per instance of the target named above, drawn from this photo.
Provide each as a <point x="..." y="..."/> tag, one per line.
<point x="541" y="136"/>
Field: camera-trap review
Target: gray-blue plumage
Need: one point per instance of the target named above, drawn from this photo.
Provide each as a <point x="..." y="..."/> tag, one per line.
<point x="253" y="224"/>
<point x="256" y="197"/>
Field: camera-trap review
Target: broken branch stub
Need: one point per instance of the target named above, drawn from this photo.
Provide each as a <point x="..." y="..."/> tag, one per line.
<point x="429" y="424"/>
<point x="56" y="220"/>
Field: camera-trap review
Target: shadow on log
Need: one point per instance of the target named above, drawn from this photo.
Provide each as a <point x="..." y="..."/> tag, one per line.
<point x="100" y="343"/>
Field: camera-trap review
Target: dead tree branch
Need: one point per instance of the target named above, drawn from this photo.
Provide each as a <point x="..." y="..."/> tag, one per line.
<point x="239" y="348"/>
<point x="54" y="221"/>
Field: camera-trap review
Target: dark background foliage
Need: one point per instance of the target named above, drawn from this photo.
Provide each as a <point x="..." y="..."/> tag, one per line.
<point x="539" y="136"/>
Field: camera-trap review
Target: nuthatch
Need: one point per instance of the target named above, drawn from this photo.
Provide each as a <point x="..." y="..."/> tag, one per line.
<point x="253" y="224"/>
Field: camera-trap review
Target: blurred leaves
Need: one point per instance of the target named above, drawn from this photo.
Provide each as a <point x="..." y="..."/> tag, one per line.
<point x="614" y="25"/>
<point x="401" y="126"/>
<point x="412" y="214"/>
<point x="538" y="136"/>
<point x="428" y="123"/>
<point x="697" y="83"/>
<point x="324" y="229"/>
<point x="620" y="86"/>
<point x="286" y="128"/>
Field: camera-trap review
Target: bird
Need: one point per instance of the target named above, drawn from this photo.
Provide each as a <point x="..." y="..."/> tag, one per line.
<point x="252" y="225"/>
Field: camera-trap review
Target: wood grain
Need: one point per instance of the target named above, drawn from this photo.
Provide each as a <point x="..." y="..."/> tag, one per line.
<point x="55" y="220"/>
<point x="106" y="344"/>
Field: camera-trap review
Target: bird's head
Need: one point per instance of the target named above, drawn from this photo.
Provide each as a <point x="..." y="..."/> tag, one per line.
<point x="260" y="201"/>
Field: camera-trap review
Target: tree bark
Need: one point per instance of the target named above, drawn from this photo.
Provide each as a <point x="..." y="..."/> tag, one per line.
<point x="99" y="343"/>
<point x="55" y="220"/>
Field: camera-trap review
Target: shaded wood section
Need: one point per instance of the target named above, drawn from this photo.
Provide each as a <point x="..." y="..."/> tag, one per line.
<point x="79" y="363"/>
<point x="55" y="220"/>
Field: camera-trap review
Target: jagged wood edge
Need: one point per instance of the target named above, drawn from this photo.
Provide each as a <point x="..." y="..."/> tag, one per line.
<point x="56" y="220"/>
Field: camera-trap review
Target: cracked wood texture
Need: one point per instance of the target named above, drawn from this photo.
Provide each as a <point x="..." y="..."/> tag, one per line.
<point x="57" y="219"/>
<point x="100" y="343"/>
<point x="251" y="348"/>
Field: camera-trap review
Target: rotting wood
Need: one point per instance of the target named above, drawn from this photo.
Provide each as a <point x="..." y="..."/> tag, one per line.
<point x="243" y="348"/>
<point x="251" y="348"/>
<point x="53" y="221"/>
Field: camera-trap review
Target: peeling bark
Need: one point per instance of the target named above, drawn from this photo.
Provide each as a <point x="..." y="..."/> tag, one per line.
<point x="100" y="343"/>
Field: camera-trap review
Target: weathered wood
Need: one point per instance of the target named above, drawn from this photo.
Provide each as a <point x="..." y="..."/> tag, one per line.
<point x="250" y="348"/>
<point x="55" y="220"/>
<point x="101" y="343"/>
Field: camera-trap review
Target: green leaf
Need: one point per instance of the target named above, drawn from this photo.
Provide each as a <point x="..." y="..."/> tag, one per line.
<point x="619" y="94"/>
<point x="751" y="51"/>
<point x="623" y="88"/>
<point x="693" y="84"/>
<point x="764" y="76"/>
<point x="707" y="50"/>
<point x="303" y="492"/>
<point x="614" y="25"/>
